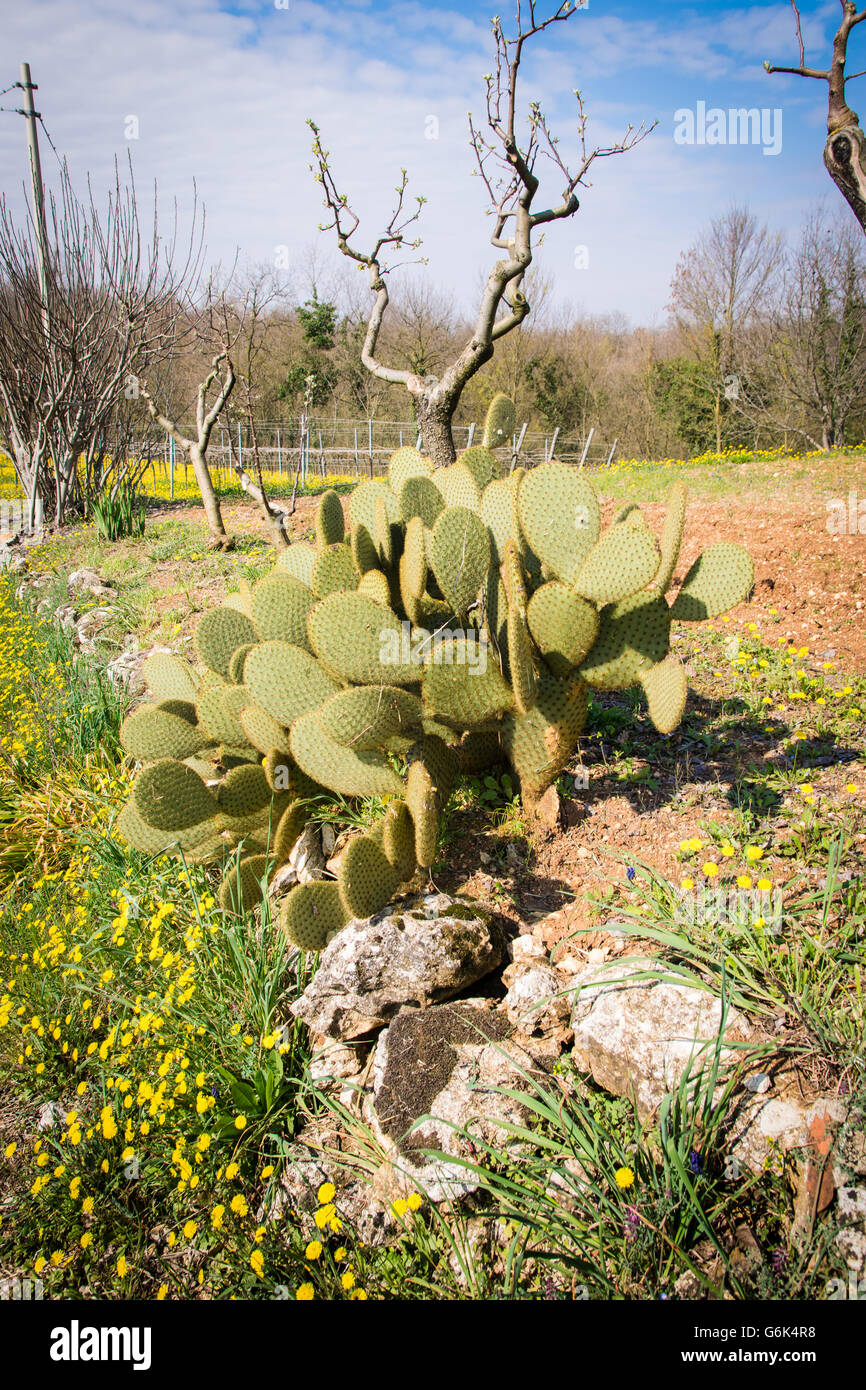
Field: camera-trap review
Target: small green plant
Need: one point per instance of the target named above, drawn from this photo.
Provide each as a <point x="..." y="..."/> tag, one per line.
<point x="118" y="513"/>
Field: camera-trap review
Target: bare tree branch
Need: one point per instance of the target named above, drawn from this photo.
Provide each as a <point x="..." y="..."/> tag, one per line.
<point x="845" y="147"/>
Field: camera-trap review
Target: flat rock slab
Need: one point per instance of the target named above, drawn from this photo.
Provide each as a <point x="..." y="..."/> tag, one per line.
<point x="421" y="952"/>
<point x="636" y="1037"/>
<point x="450" y="1062"/>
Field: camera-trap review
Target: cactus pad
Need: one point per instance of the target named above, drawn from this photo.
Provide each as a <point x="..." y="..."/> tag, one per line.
<point x="219" y="633"/>
<point x="718" y="580"/>
<point x="563" y="626"/>
<point x="312" y="914"/>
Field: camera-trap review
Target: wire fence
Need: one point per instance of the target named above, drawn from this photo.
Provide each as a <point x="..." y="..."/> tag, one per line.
<point x="328" y="448"/>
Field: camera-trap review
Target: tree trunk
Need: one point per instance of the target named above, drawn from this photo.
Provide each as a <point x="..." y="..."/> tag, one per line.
<point x="845" y="161"/>
<point x="434" y="422"/>
<point x="209" y="498"/>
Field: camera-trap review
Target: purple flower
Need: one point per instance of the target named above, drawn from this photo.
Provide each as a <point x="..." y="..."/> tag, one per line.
<point x="631" y="1223"/>
<point x="629" y="873"/>
<point x="696" y="1163"/>
<point x="780" y="1260"/>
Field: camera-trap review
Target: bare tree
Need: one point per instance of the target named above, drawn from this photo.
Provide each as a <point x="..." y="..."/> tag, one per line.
<point x="69" y="348"/>
<point x="804" y="365"/>
<point x="719" y="285"/>
<point x="845" y="146"/>
<point x="261" y="293"/>
<point x="507" y="165"/>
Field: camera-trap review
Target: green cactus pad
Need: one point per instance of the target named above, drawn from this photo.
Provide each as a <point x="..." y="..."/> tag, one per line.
<point x="285" y="680"/>
<point x="563" y="626"/>
<point x="539" y="744"/>
<point x="632" y="636"/>
<point x="672" y="537"/>
<point x="499" y="421"/>
<point x="284" y="776"/>
<point x="150" y="734"/>
<point x="406" y="463"/>
<point x="374" y="585"/>
<point x="718" y="580"/>
<point x="366" y="716"/>
<point x="362" y="503"/>
<point x="415" y="557"/>
<point x="330" y="525"/>
<point x="241" y="888"/>
<point x="170" y="796"/>
<point x="219" y="714"/>
<point x="383" y="533"/>
<point x="460" y="556"/>
<point x="363" y="548"/>
<point x="622" y="562"/>
<point x="559" y="516"/>
<point x="513" y="575"/>
<point x="219" y="633"/>
<point x="198" y="843"/>
<point x="181" y="709"/>
<point x="497" y="513"/>
<point x="666" y="689"/>
<point x="458" y="486"/>
<point x="398" y="840"/>
<point x="468" y="689"/>
<point x="312" y="915"/>
<point x="261" y="729"/>
<point x="236" y="665"/>
<point x="169" y="678"/>
<point x="334" y="570"/>
<point x="360" y="639"/>
<point x="298" y="561"/>
<point x="481" y="464"/>
<point x="340" y="769"/>
<point x="365" y="878"/>
<point x="243" y="792"/>
<point x="421" y="497"/>
<point x="280" y="605"/>
<point x="291" y="823"/>
<point x="423" y="801"/>
<point x="524" y="677"/>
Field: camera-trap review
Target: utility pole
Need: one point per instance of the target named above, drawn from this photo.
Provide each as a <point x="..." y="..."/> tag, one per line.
<point x="29" y="113"/>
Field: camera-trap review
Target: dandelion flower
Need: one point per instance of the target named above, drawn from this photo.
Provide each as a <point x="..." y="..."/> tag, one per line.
<point x="623" y="1177"/>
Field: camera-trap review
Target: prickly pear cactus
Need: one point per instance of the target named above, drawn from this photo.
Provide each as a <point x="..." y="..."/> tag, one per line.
<point x="454" y="618"/>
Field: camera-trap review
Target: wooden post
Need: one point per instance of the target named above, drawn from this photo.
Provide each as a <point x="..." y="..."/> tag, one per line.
<point x="586" y="447"/>
<point x="471" y="434"/>
<point x="549" y="455"/>
<point x="612" y="447"/>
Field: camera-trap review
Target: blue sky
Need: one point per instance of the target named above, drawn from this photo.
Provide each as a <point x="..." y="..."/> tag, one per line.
<point x="221" y="93"/>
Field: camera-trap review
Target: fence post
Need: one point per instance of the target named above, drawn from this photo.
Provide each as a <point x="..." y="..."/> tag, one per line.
<point x="321" y="455"/>
<point x="516" y="447"/>
<point x="279" y="454"/>
<point x="586" y="447"/>
<point x="470" y="435"/>
<point x="612" y="447"/>
<point x="549" y="456"/>
<point x="240" y="447"/>
<point x="357" y="463"/>
<point x="370" y="443"/>
<point x="171" y="467"/>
